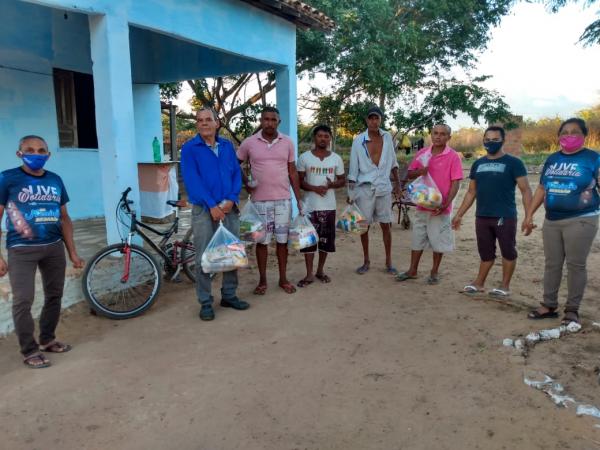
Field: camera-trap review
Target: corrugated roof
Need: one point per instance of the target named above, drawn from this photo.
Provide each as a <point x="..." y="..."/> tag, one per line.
<point x="297" y="12"/>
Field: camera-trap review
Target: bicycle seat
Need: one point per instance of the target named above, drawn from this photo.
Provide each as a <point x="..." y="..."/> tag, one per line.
<point x="177" y="203"/>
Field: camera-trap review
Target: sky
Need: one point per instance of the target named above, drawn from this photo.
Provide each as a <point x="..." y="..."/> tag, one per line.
<point x="537" y="64"/>
<point x="534" y="60"/>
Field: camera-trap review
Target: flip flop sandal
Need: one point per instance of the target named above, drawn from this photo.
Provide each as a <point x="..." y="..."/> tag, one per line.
<point x="363" y="269"/>
<point x="260" y="290"/>
<point x="55" y="347"/>
<point x="391" y="270"/>
<point x="288" y="288"/>
<point x="499" y="293"/>
<point x="324" y="278"/>
<point x="470" y="289"/>
<point x="536" y="315"/>
<point x="431" y="280"/>
<point x="403" y="276"/>
<point x="29" y="361"/>
<point x="304" y="283"/>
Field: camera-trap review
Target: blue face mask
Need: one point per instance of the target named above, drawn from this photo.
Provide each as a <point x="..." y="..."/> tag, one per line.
<point x="492" y="147"/>
<point x="35" y="162"/>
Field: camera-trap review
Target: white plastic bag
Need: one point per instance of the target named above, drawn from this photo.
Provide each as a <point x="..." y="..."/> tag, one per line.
<point x="302" y="233"/>
<point x="224" y="252"/>
<point x="352" y="220"/>
<point x="252" y="227"/>
<point x="424" y="192"/>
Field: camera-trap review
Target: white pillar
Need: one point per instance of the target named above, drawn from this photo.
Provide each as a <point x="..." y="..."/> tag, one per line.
<point x="109" y="38"/>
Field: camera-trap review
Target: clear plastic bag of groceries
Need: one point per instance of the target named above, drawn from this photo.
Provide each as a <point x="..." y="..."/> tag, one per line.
<point x="252" y="227"/>
<point x="352" y="220"/>
<point x="424" y="192"/>
<point x="302" y="233"/>
<point x="224" y="252"/>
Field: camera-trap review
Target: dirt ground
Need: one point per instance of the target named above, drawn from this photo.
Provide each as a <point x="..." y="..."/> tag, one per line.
<point x="362" y="363"/>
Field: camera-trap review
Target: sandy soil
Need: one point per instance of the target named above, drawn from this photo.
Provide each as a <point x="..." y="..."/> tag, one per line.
<point x="362" y="363"/>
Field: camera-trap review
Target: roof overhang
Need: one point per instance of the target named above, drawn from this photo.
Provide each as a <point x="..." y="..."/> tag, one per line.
<point x="297" y="12"/>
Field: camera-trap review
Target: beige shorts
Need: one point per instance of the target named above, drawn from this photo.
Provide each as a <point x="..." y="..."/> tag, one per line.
<point x="375" y="208"/>
<point x="433" y="232"/>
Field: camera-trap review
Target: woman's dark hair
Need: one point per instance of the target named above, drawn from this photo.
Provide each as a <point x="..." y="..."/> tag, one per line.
<point x="577" y="121"/>
<point x="324" y="128"/>
<point x="496" y="128"/>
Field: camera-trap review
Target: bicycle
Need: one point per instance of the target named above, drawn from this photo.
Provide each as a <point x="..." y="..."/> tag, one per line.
<point x="123" y="280"/>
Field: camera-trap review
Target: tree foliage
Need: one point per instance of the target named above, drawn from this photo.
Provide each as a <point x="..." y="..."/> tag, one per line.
<point x="403" y="56"/>
<point x="591" y="34"/>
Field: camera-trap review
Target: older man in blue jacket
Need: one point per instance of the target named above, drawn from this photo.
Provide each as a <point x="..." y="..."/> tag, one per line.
<point x="213" y="180"/>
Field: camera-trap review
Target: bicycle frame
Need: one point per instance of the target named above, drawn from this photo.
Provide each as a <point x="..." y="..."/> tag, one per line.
<point x="137" y="227"/>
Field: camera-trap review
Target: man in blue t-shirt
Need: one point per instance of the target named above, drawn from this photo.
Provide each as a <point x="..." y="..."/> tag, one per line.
<point x="38" y="228"/>
<point x="493" y="180"/>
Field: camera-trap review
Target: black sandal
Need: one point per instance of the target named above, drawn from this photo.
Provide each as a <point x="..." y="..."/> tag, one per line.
<point x="55" y="347"/>
<point x="536" y="315"/>
<point x="304" y="282"/>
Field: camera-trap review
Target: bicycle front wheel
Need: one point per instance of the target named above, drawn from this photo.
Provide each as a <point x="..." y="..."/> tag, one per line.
<point x="188" y="256"/>
<point x="118" y="293"/>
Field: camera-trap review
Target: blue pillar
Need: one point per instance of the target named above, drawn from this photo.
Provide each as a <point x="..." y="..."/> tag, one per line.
<point x="286" y="103"/>
<point x="109" y="38"/>
<point x="148" y="124"/>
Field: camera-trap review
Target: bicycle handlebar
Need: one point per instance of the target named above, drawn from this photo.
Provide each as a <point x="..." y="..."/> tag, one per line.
<point x="124" y="201"/>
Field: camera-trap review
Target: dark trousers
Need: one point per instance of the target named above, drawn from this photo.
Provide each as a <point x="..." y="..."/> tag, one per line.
<point x="22" y="265"/>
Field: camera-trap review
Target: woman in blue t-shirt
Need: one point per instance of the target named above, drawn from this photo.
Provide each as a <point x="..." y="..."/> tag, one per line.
<point x="569" y="190"/>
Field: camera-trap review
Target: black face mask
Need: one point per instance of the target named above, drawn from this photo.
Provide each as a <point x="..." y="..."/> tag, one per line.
<point x="492" y="147"/>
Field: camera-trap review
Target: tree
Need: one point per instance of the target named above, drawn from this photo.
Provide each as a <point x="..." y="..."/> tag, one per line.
<point x="402" y="56"/>
<point x="591" y="34"/>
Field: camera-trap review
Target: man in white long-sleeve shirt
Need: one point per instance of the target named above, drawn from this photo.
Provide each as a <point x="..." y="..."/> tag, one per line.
<point x="372" y="161"/>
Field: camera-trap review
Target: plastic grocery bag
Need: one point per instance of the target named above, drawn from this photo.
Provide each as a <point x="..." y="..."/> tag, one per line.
<point x="353" y="220"/>
<point x="252" y="227"/>
<point x="424" y="192"/>
<point x="224" y="252"/>
<point x="302" y="233"/>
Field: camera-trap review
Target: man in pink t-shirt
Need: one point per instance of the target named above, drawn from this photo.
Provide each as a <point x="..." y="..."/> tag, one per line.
<point x="433" y="228"/>
<point x="272" y="161"/>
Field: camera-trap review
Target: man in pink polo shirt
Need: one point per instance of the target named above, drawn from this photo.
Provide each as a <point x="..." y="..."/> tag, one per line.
<point x="433" y="228"/>
<point x="272" y="161"/>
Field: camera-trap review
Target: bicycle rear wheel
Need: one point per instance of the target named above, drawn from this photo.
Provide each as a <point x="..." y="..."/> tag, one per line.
<point x="188" y="256"/>
<point x="115" y="296"/>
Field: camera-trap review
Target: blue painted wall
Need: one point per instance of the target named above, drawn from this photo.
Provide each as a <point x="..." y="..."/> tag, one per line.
<point x="146" y="108"/>
<point x="165" y="38"/>
<point x="27" y="56"/>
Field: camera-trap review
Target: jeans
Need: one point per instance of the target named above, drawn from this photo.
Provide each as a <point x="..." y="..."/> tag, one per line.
<point x="22" y="264"/>
<point x="570" y="240"/>
<point x="203" y="228"/>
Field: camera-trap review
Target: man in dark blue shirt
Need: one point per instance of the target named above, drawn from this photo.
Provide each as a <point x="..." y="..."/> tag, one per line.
<point x="39" y="228"/>
<point x="213" y="181"/>
<point x="493" y="181"/>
